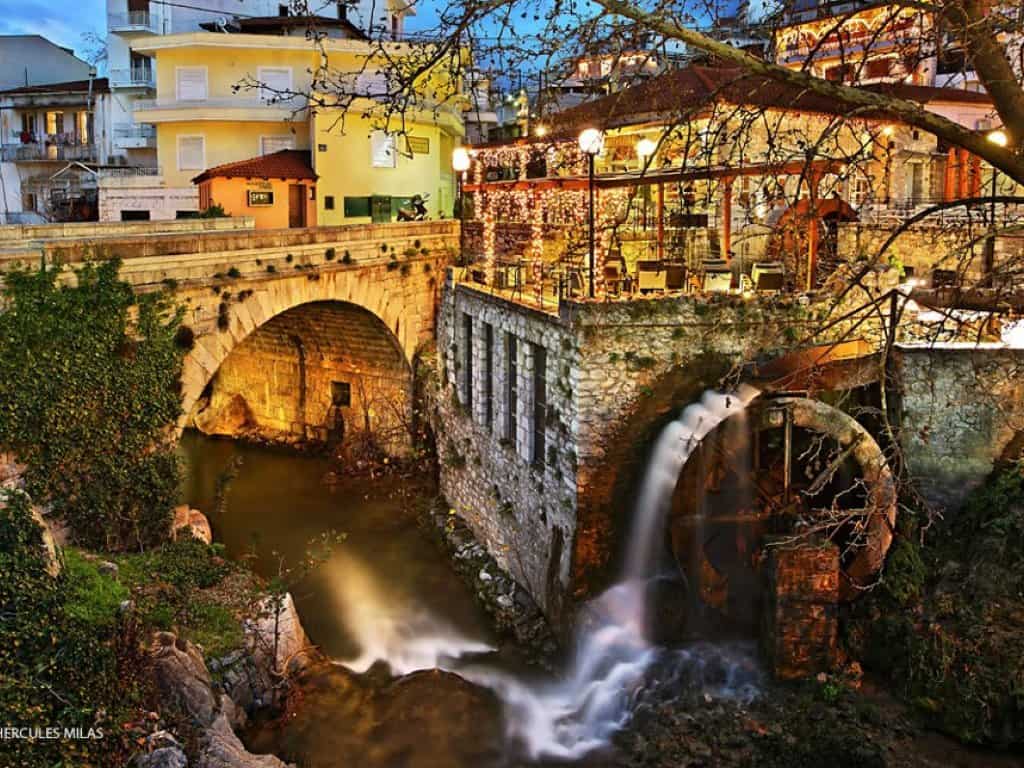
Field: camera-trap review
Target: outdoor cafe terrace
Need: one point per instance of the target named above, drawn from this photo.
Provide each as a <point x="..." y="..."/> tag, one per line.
<point x="540" y="225"/>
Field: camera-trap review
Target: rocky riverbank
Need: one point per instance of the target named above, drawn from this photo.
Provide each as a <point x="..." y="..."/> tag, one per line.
<point x="512" y="610"/>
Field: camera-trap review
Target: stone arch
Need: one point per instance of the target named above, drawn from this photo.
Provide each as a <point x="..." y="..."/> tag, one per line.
<point x="406" y="311"/>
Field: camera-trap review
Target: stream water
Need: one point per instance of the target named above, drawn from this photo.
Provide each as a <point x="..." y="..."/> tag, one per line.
<point x="418" y="679"/>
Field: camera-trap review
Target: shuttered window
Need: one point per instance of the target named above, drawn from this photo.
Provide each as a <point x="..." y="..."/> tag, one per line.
<point x="275" y="83"/>
<point x="271" y="144"/>
<point x="191" y="153"/>
<point x="382" y="150"/>
<point x="191" y="84"/>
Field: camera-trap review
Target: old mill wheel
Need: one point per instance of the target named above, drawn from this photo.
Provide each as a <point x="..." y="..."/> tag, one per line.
<point x="791" y="468"/>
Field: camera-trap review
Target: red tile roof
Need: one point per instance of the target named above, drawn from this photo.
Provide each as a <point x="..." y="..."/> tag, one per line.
<point x="692" y="88"/>
<point x="284" y="164"/>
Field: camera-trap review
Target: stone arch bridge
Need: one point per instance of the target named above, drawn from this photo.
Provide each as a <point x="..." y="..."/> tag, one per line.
<point x="296" y="333"/>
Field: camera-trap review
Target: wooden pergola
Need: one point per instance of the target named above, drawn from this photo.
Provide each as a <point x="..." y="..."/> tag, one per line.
<point x="812" y="171"/>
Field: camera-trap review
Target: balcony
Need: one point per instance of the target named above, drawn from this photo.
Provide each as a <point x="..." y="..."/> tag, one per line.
<point x="28" y="153"/>
<point x="242" y="107"/>
<point x="134" y="23"/>
<point x="134" y="137"/>
<point x="136" y="77"/>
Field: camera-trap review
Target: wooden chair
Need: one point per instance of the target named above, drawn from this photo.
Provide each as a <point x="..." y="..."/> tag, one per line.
<point x="650" y="276"/>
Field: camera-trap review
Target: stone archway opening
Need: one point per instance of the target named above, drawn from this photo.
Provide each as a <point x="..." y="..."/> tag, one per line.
<point x="790" y="501"/>
<point x="326" y="372"/>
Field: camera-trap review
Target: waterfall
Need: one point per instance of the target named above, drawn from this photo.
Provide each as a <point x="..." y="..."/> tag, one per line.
<point x="613" y="659"/>
<point x="613" y="656"/>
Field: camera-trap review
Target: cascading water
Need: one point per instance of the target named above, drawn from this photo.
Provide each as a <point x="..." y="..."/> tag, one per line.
<point x="614" y="658"/>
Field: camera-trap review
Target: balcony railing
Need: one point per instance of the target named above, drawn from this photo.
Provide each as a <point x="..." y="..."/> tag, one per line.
<point x="240" y="102"/>
<point x="136" y="77"/>
<point x="134" y="132"/>
<point x="14" y="153"/>
<point x="133" y="21"/>
<point x="130" y="172"/>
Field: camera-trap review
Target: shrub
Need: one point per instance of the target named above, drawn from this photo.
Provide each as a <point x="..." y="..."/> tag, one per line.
<point x="347" y="258"/>
<point x="89" y="383"/>
<point x="170" y="283"/>
<point x="289" y="258"/>
<point x="214" y="211"/>
<point x="185" y="338"/>
<point x="329" y="254"/>
<point x="69" y="657"/>
<point x="234" y="273"/>
<point x="271" y="268"/>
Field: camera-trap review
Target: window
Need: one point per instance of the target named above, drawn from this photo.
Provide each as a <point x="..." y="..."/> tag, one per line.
<point x="395" y="28"/>
<point x="342" y="11"/>
<point x="186" y="214"/>
<point x="271" y="144"/>
<point x="134" y="215"/>
<point x="540" y="404"/>
<point x="488" y="375"/>
<point x="282" y="10"/>
<point x="382" y="150"/>
<point x="879" y="68"/>
<point x="467" y="337"/>
<point x="54" y="123"/>
<point x="328" y="202"/>
<point x="275" y="83"/>
<point x="191" y="153"/>
<point x="341" y="394"/>
<point x="357" y="207"/>
<point x="260" y="197"/>
<point x="511" y="387"/>
<point x="191" y="84"/>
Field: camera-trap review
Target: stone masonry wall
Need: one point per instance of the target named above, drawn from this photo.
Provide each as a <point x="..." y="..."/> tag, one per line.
<point x="615" y="372"/>
<point x="520" y="505"/>
<point x="282" y="379"/>
<point x="962" y="410"/>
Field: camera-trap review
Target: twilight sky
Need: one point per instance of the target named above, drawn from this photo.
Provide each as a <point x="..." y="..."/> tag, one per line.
<point x="62" y="21"/>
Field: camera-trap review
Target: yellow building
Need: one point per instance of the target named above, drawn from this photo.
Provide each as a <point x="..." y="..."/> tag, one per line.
<point x="224" y="98"/>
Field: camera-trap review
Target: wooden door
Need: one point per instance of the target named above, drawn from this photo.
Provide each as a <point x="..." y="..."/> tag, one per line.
<point x="296" y="206"/>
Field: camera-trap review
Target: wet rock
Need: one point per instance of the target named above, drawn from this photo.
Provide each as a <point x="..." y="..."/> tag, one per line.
<point x="182" y="677"/>
<point x="226" y="416"/>
<point x="223" y="749"/>
<point x="281" y="633"/>
<point x="164" y="757"/>
<point x="192" y="521"/>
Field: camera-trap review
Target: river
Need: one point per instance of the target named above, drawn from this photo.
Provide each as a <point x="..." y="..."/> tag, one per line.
<point x="387" y="592"/>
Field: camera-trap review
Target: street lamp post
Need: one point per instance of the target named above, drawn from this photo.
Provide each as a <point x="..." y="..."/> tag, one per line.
<point x="1000" y="139"/>
<point x="591" y="142"/>
<point x="460" y="164"/>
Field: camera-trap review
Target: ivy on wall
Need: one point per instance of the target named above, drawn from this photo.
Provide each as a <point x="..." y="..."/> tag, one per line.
<point x="89" y="385"/>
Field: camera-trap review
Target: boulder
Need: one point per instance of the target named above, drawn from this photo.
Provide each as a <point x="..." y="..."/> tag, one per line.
<point x="226" y="415"/>
<point x="182" y="677"/>
<point x="193" y="520"/>
<point x="223" y="749"/>
<point x="292" y="643"/>
<point x="107" y="568"/>
<point x="164" y="757"/>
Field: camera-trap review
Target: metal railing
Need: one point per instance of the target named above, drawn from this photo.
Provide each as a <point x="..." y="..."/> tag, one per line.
<point x="133" y="77"/>
<point x="130" y="172"/>
<point x="134" y="131"/>
<point x="14" y="153"/>
<point x="133" y="21"/>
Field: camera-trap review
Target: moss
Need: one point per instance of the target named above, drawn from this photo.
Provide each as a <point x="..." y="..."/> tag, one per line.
<point x="93" y="597"/>
<point x="905" y="572"/>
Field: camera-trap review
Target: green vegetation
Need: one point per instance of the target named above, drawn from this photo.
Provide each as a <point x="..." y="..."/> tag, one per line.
<point x="214" y="211"/>
<point x="89" y="382"/>
<point x="947" y="625"/>
<point x="68" y="658"/>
